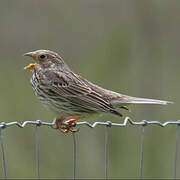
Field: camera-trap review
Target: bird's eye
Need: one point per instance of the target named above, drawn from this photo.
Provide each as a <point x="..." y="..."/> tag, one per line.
<point x="42" y="56"/>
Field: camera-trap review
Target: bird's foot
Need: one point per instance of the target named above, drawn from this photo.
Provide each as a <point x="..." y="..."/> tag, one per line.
<point x="66" y="123"/>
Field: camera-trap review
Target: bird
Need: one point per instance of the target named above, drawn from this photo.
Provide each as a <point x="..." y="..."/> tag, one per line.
<point x="70" y="94"/>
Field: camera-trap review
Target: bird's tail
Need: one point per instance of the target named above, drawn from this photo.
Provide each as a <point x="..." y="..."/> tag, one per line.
<point x="135" y="100"/>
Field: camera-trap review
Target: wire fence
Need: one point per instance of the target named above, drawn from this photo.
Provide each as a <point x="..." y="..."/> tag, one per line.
<point x="108" y="124"/>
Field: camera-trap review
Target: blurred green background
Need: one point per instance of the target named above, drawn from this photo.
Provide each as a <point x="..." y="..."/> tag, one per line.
<point x="129" y="46"/>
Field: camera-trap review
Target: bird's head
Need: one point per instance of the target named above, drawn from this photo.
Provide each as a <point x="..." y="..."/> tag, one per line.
<point x="44" y="59"/>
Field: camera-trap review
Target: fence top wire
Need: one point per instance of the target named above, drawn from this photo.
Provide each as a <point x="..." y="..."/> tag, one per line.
<point x="126" y="121"/>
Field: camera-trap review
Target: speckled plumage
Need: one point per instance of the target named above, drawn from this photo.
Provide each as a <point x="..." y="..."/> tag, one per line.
<point x="68" y="93"/>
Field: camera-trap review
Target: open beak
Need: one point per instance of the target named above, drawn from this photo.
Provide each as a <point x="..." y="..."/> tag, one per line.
<point x="30" y="66"/>
<point x="30" y="54"/>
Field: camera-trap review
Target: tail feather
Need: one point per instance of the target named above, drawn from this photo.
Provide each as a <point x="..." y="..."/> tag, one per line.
<point x="135" y="100"/>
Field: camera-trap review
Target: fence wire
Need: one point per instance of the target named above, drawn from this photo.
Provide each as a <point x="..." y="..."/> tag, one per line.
<point x="107" y="124"/>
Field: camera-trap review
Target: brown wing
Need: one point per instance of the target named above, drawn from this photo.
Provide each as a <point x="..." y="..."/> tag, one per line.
<point x="78" y="93"/>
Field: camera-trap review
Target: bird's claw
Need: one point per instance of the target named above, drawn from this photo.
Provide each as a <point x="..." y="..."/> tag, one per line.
<point x="66" y="123"/>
